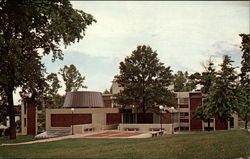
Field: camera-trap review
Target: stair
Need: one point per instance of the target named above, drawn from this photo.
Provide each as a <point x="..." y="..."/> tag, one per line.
<point x="59" y="131"/>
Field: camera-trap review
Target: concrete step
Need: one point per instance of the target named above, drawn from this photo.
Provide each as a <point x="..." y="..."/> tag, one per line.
<point x="59" y="131"/>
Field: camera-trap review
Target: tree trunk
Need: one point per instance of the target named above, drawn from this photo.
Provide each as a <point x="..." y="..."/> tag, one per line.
<point x="208" y="124"/>
<point x="11" y="113"/>
<point x="246" y="121"/>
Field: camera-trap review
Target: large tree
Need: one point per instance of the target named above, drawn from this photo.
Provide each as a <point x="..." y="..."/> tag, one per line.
<point x="221" y="100"/>
<point x="205" y="79"/>
<point x="244" y="108"/>
<point x="72" y="78"/>
<point x="144" y="79"/>
<point x="182" y="82"/>
<point x="29" y="30"/>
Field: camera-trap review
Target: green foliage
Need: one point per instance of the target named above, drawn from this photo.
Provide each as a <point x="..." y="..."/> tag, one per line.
<point x="144" y="80"/>
<point x="26" y="28"/>
<point x="53" y="85"/>
<point x="72" y="78"/>
<point x="106" y="92"/>
<point x="222" y="100"/>
<point x="205" y="79"/>
<point x="182" y="82"/>
<point x="244" y="89"/>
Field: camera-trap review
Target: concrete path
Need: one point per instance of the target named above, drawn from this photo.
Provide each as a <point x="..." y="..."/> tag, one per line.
<point x="143" y="135"/>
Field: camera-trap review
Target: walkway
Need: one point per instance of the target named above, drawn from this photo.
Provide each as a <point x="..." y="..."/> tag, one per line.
<point x="103" y="134"/>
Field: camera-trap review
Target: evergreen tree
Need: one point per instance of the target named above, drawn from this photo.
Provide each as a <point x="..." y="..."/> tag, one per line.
<point x="206" y="80"/>
<point x="221" y="100"/>
<point x="144" y="80"/>
<point x="244" y="107"/>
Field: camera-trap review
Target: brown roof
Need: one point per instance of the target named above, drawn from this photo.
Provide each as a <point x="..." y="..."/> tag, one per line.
<point x="83" y="99"/>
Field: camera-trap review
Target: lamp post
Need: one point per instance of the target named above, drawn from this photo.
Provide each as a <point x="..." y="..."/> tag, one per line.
<point x="72" y="124"/>
<point x="161" y="108"/>
<point x="172" y="109"/>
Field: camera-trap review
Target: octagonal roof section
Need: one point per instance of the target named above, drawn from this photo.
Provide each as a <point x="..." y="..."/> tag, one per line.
<point x="83" y="99"/>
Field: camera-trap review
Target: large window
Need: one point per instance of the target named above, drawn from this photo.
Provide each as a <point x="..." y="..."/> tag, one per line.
<point x="231" y="122"/>
<point x="184" y="115"/>
<point x="183" y="101"/>
<point x="25" y="107"/>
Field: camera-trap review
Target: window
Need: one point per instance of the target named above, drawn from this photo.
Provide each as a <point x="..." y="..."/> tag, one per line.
<point x="184" y="115"/>
<point x="183" y="101"/>
<point x="25" y="121"/>
<point x="25" y="107"/>
<point x="231" y="122"/>
<point x="184" y="128"/>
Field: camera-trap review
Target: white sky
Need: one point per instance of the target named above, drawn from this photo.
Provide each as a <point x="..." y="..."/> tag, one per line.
<point x="184" y="34"/>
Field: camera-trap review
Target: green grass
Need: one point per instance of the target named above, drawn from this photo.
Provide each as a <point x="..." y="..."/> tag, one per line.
<point x="229" y="144"/>
<point x="19" y="138"/>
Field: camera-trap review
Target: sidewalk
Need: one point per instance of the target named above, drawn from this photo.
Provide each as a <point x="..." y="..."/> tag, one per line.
<point x="142" y="135"/>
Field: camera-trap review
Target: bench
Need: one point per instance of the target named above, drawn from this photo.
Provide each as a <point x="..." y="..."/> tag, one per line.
<point x="88" y="129"/>
<point x="156" y="129"/>
<point x="131" y="129"/>
<point x="160" y="133"/>
<point x="154" y="134"/>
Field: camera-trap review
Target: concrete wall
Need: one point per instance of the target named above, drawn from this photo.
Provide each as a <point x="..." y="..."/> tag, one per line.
<point x="98" y="115"/>
<point x="146" y="127"/>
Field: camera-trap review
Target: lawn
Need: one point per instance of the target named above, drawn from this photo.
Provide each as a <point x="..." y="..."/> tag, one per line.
<point x="229" y="144"/>
<point x="19" y="138"/>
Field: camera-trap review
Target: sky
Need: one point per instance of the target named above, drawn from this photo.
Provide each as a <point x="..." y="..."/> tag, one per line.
<point x="185" y="34"/>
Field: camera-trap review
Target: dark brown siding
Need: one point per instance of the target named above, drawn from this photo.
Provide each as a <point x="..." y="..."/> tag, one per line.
<point x="195" y="101"/>
<point x="113" y="118"/>
<point x="220" y="125"/>
<point x="184" y="120"/>
<point x="65" y="120"/>
<point x="166" y="118"/>
<point x="183" y="106"/>
<point x="31" y="119"/>
<point x="148" y="118"/>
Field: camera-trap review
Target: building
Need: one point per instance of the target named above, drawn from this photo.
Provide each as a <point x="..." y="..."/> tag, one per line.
<point x="86" y="111"/>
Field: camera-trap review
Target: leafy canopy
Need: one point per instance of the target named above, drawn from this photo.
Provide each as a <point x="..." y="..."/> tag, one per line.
<point x="29" y="30"/>
<point x="72" y="78"/>
<point x="144" y="79"/>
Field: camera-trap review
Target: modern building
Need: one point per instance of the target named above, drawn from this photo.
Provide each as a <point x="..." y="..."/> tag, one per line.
<point x="87" y="111"/>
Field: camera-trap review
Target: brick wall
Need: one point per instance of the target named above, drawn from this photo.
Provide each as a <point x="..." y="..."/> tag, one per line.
<point x="166" y="118"/>
<point x="31" y="119"/>
<point x="148" y="118"/>
<point x="66" y="120"/>
<point x="108" y="103"/>
<point x="195" y="101"/>
<point x="113" y="118"/>
<point x="220" y="125"/>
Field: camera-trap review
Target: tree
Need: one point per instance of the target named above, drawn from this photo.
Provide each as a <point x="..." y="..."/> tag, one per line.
<point x="106" y="92"/>
<point x="144" y="80"/>
<point x="182" y="82"/>
<point x="206" y="80"/>
<point x="244" y="107"/>
<point x="72" y="78"/>
<point x="53" y="85"/>
<point x="222" y="98"/>
<point x="27" y="27"/>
